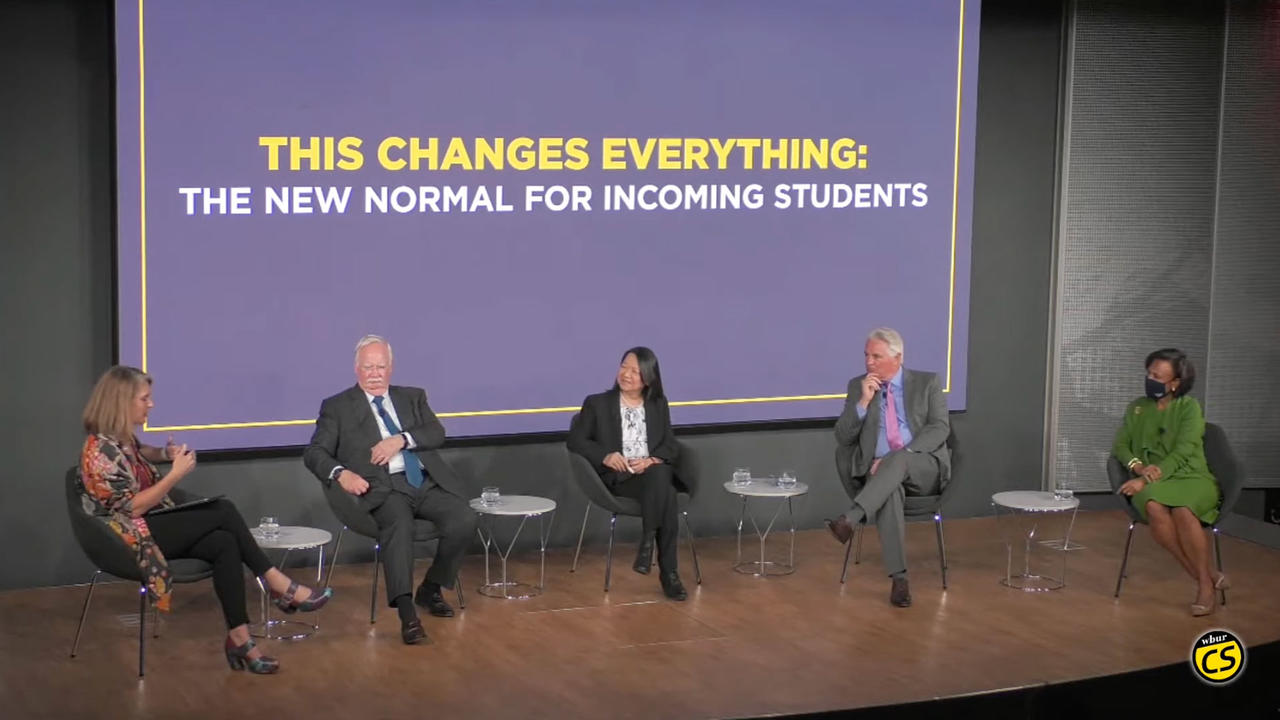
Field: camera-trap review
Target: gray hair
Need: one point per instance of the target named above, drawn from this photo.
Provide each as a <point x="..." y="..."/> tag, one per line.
<point x="889" y="337"/>
<point x="368" y="340"/>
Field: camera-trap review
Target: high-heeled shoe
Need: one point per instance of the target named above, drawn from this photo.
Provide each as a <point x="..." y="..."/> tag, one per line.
<point x="1198" y="610"/>
<point x="238" y="658"/>
<point x="1221" y="582"/>
<point x="287" y="604"/>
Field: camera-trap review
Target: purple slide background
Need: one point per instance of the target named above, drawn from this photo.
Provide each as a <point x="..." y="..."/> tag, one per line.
<point x="253" y="318"/>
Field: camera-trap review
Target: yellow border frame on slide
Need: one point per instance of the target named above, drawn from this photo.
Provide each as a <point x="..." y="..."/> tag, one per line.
<point x="142" y="192"/>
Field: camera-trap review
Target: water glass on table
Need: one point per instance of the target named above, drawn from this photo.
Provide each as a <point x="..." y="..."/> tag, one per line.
<point x="741" y="477"/>
<point x="787" y="479"/>
<point x="269" y="526"/>
<point x="489" y="496"/>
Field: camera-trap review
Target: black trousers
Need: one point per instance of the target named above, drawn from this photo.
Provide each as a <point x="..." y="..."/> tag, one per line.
<point x="215" y="533"/>
<point x="655" y="488"/>
<point x="452" y="516"/>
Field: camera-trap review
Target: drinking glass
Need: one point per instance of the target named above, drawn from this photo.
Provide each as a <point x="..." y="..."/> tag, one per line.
<point x="787" y="479"/>
<point x="741" y="476"/>
<point x="269" y="526"/>
<point x="489" y="496"/>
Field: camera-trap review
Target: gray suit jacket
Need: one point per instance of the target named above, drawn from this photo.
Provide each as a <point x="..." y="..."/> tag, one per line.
<point x="346" y="431"/>
<point x="927" y="417"/>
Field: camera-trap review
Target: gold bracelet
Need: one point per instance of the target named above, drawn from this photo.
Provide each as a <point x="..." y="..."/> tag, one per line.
<point x="1133" y="462"/>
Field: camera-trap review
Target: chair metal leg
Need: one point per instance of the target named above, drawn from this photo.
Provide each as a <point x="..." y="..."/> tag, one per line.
<point x="142" y="628"/>
<point x="333" y="561"/>
<point x="844" y="572"/>
<point x="457" y="582"/>
<point x="155" y="622"/>
<point x="608" y="560"/>
<point x="857" y="552"/>
<point x="1217" y="552"/>
<point x="942" y="548"/>
<point x="581" y="533"/>
<point x="697" y="571"/>
<point x="373" y="597"/>
<point x="93" y="581"/>
<point x="1128" y="543"/>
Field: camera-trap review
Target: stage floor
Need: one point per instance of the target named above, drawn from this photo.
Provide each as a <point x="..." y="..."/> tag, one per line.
<point x="740" y="646"/>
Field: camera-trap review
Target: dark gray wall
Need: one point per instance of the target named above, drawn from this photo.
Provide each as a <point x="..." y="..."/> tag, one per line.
<point x="55" y="280"/>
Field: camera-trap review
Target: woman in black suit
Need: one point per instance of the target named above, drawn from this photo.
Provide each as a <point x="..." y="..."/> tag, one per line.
<point x="626" y="435"/>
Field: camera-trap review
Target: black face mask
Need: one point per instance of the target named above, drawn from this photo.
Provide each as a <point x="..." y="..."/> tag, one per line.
<point x="1156" y="389"/>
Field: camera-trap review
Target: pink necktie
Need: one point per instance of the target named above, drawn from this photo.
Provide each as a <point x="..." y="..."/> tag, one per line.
<point x="891" y="430"/>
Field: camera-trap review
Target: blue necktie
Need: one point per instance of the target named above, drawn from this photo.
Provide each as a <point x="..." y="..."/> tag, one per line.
<point x="412" y="472"/>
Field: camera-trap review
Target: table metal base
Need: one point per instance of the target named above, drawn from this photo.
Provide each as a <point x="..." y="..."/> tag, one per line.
<point x="283" y="630"/>
<point x="771" y="568"/>
<point x="509" y="590"/>
<point x="1032" y="583"/>
<point x="763" y="567"/>
<point x="290" y="629"/>
<point x="1026" y="580"/>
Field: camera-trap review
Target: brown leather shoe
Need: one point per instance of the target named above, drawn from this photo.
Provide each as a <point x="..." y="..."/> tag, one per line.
<point x="900" y="595"/>
<point x="840" y="529"/>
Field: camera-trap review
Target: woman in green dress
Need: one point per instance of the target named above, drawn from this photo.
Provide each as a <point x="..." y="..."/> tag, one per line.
<point x="1162" y="443"/>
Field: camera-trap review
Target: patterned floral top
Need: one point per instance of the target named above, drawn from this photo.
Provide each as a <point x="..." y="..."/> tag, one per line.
<point x="635" y="436"/>
<point x="110" y="475"/>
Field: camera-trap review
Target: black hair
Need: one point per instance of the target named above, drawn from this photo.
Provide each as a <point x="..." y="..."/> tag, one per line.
<point x="1183" y="370"/>
<point x="650" y="373"/>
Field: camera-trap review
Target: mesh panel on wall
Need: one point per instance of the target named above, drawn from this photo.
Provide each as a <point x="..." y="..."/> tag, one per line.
<point x="1244" y="338"/>
<point x="1137" y="209"/>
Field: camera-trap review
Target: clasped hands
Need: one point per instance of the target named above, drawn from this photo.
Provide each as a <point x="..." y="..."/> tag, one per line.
<point x="379" y="454"/>
<point x="615" y="461"/>
<point x="1145" y="474"/>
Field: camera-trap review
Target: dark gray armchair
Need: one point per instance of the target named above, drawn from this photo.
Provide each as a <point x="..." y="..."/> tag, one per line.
<point x="111" y="555"/>
<point x="1224" y="465"/>
<point x="356" y="519"/>
<point x="912" y="506"/>
<point x="585" y="478"/>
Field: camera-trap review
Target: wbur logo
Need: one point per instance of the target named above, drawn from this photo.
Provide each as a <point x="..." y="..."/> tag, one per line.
<point x="1218" y="657"/>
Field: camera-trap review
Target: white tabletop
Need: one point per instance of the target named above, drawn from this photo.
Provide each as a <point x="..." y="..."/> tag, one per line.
<point x="761" y="487"/>
<point x="292" y="537"/>
<point x="515" y="505"/>
<point x="1034" y="501"/>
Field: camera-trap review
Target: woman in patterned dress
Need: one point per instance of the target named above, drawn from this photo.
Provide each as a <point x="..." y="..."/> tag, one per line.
<point x="120" y="484"/>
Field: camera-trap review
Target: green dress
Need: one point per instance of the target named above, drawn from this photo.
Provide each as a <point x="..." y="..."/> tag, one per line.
<point x="1173" y="440"/>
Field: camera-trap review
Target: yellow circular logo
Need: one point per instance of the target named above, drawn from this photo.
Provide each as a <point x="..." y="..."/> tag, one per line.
<point x="1218" y="657"/>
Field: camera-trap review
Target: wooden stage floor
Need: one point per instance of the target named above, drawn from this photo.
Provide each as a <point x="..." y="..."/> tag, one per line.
<point x="740" y="646"/>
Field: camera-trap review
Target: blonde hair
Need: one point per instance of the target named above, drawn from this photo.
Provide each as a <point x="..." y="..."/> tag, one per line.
<point x="107" y="412"/>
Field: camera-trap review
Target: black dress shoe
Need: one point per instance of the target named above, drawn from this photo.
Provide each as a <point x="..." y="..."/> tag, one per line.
<point x="412" y="633"/>
<point x="432" y="601"/>
<point x="672" y="587"/>
<point x="900" y="594"/>
<point x="644" y="556"/>
<point x="840" y="529"/>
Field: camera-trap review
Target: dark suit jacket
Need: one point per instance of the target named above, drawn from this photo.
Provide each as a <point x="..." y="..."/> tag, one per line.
<point x="596" y="431"/>
<point x="927" y="417"/>
<point x="347" y="430"/>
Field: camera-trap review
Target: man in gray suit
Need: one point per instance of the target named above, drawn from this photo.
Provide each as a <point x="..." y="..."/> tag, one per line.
<point x="892" y="438"/>
<point x="378" y="441"/>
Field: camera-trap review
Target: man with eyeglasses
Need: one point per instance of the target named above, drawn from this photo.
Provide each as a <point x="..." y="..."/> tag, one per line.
<point x="378" y="442"/>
